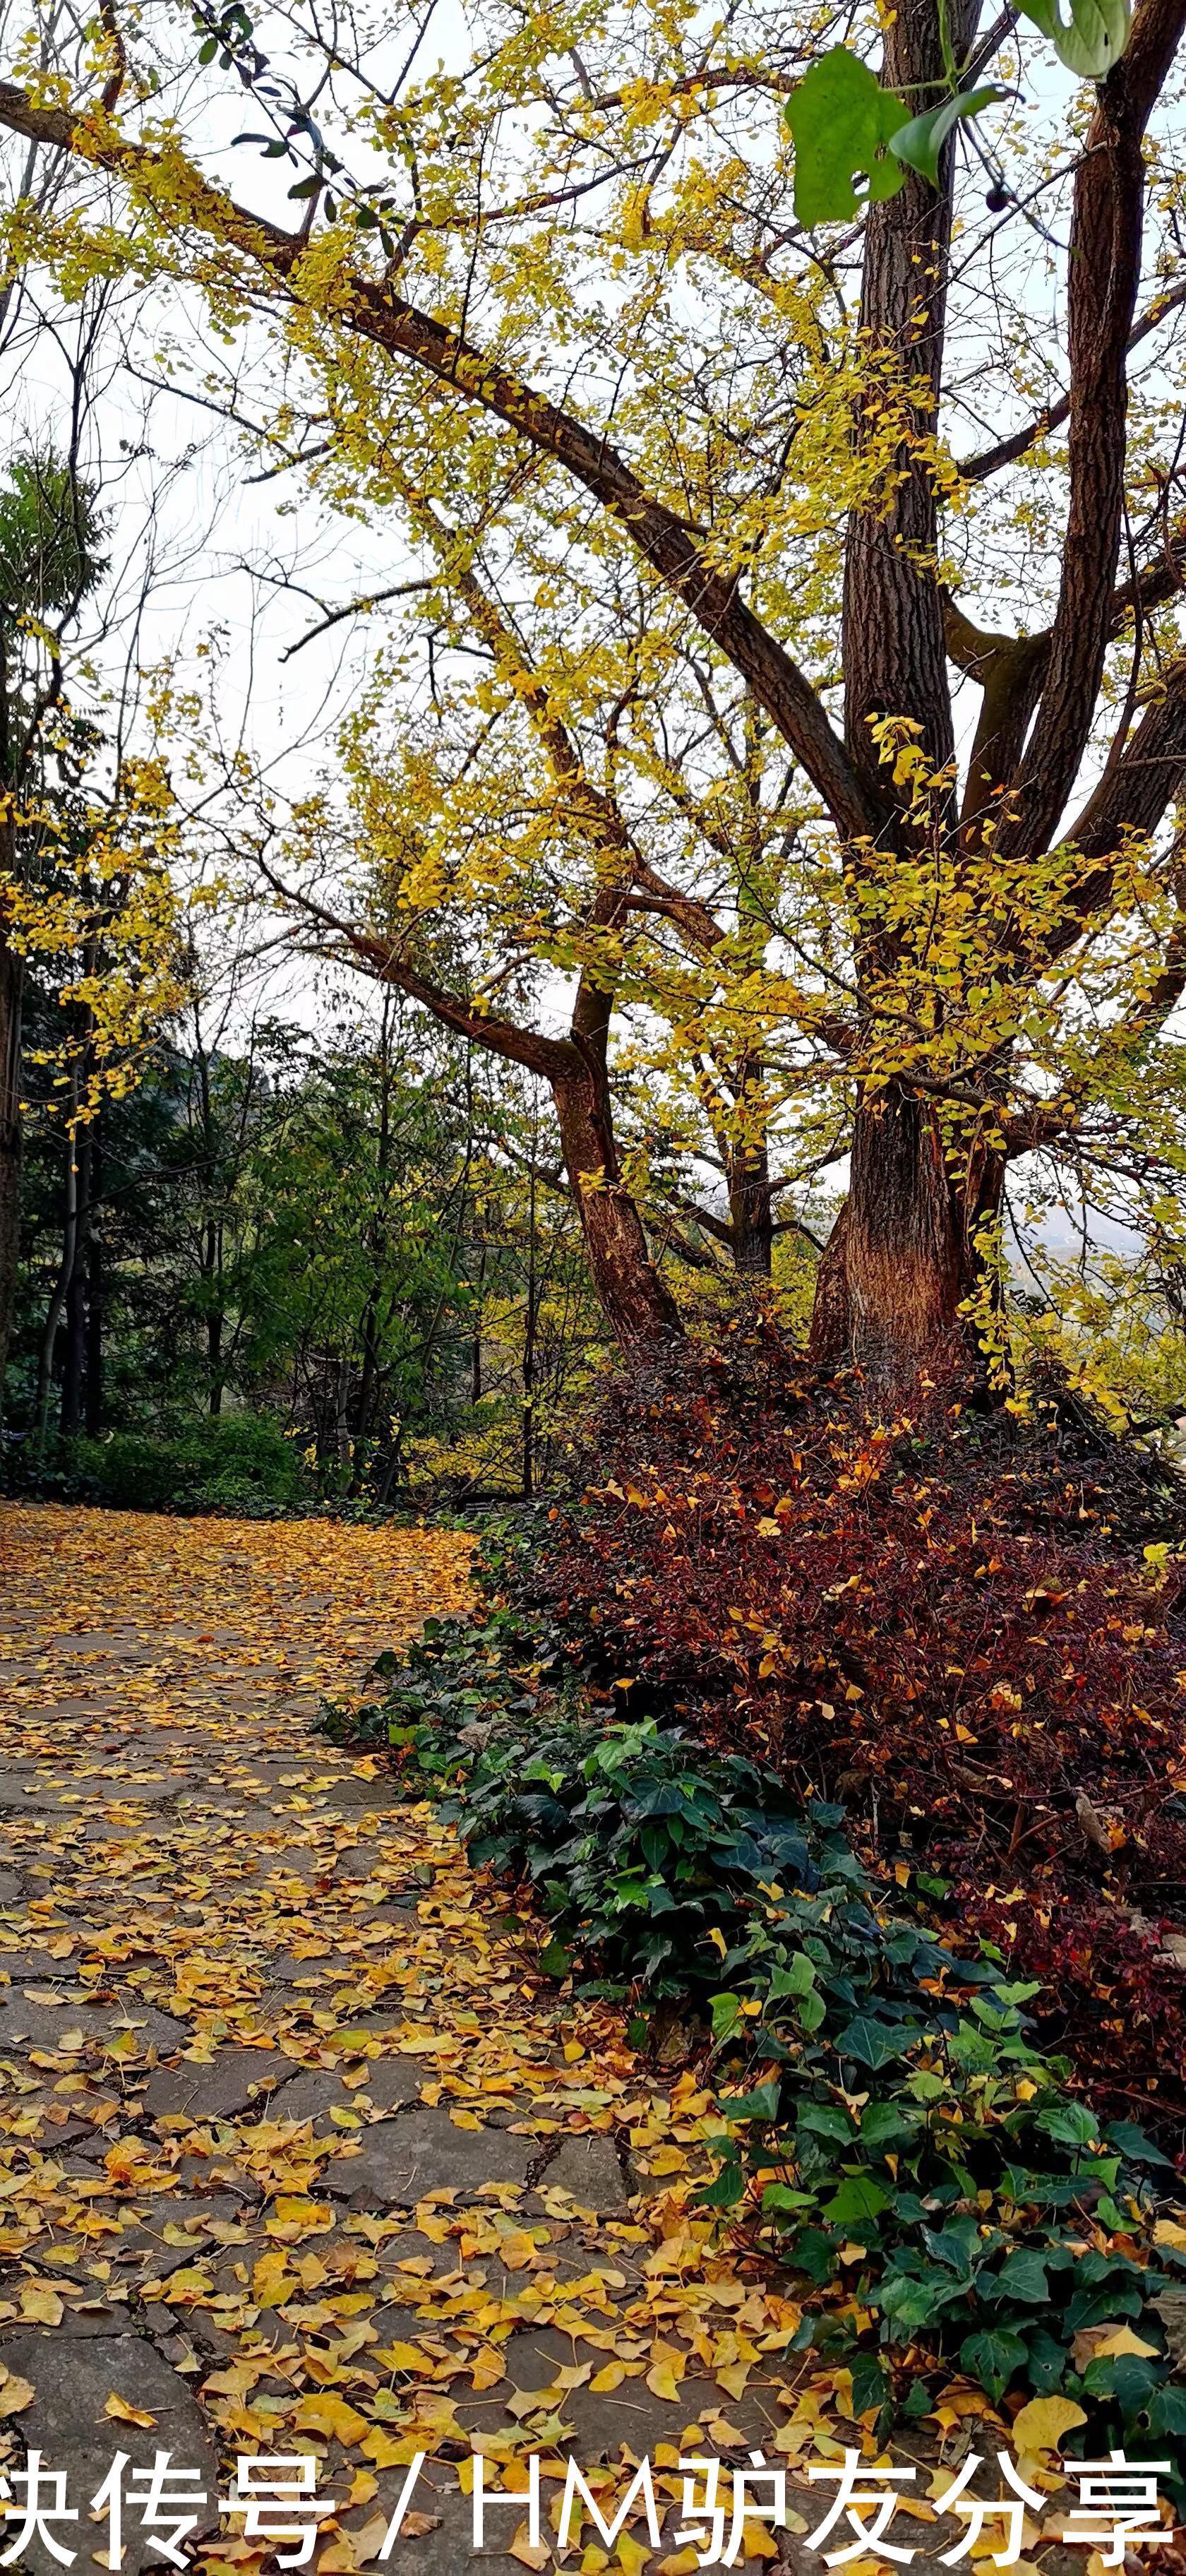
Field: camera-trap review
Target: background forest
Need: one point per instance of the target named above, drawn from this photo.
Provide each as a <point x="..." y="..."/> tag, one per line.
<point x="306" y="1265"/>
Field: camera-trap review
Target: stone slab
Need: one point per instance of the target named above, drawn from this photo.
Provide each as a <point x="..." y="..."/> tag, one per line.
<point x="237" y="2080"/>
<point x="402" y="2159"/>
<point x="588" y="2167"/>
<point x="25" y="2025"/>
<point x="72" y="2378"/>
<point x="392" y="2084"/>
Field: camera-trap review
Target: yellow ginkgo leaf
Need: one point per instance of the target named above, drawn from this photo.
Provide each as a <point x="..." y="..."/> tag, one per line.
<point x="121" y="2412"/>
<point x="40" y="2303"/>
<point x="1121" y="2340"/>
<point x="325" y="2412"/>
<point x="529" y="2553"/>
<point x="1041" y="2425"/>
<point x="403" y="2356"/>
<point x="608" y="2379"/>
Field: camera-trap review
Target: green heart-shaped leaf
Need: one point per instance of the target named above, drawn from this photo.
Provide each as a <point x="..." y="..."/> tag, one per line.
<point x="842" y="120"/>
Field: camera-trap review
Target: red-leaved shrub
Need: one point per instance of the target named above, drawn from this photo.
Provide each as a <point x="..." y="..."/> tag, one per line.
<point x="968" y="1628"/>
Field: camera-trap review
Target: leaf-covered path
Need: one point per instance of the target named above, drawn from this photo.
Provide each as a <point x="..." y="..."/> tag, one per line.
<point x="297" y="2152"/>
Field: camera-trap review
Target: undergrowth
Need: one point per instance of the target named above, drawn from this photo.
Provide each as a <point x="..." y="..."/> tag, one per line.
<point x="888" y="2126"/>
<point x="969" y="1630"/>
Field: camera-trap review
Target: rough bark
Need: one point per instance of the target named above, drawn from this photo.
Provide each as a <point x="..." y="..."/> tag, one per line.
<point x="93" y="1406"/>
<point x="635" y="1298"/>
<point x="74" y="1335"/>
<point x="894" y="655"/>
<point x="906" y="1260"/>
<point x="751" y="1211"/>
<point x="57" y="1302"/>
<point x="896" y="1272"/>
<point x="11" y="996"/>
<point x="637" y="1303"/>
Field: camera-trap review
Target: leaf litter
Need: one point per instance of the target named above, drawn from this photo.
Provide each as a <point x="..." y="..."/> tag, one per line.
<point x="193" y="1889"/>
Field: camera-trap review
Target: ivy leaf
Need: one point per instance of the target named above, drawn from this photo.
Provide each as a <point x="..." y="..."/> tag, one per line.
<point x="1132" y="2142"/>
<point x="724" y="2191"/>
<point x="762" y="2104"/>
<point x="921" y="142"/>
<point x="870" y="2385"/>
<point x="797" y="1978"/>
<point x="842" y="120"/>
<point x="870" y="2042"/>
<point x="912" y="2305"/>
<point x="726" y="2013"/>
<point x="858" y="2200"/>
<point x="1167" y="2412"/>
<point x="1022" y="2276"/>
<point x="1094" y="38"/>
<point x="992" y="2357"/>
<point x="1070" y="2124"/>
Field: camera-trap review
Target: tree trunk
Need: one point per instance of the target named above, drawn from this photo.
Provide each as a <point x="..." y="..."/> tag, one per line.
<point x="94" y="1335"/>
<point x="45" y="1360"/>
<point x="637" y="1303"/>
<point x="907" y="1289"/>
<point x="215" y="1318"/>
<point x="74" y="1355"/>
<point x="11" y="997"/>
<point x="529" y="1322"/>
<point x="751" y="1211"/>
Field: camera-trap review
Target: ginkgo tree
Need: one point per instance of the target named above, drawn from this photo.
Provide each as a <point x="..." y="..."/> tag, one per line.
<point x="872" y="428"/>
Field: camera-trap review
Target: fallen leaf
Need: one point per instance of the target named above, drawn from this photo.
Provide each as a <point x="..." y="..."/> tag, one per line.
<point x="1040" y="2425"/>
<point x="40" y="2304"/>
<point x="121" y="2412"/>
<point x="328" y="2413"/>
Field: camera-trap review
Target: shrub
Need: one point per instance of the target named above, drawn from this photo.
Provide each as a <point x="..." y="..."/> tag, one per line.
<point x="235" y="1462"/>
<point x="970" y="1629"/>
<point x="900" y="2140"/>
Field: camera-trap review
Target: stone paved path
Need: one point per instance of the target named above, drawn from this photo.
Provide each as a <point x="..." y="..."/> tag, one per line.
<point x="296" y="2152"/>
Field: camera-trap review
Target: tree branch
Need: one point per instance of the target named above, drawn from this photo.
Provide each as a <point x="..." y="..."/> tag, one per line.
<point x="977" y="469"/>
<point x="1011" y="669"/>
<point x="674" y="548"/>
<point x="552" y="1058"/>
<point x="1103" y="274"/>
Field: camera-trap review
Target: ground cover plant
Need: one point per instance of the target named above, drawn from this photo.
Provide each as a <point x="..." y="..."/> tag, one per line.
<point x="889" y="2126"/>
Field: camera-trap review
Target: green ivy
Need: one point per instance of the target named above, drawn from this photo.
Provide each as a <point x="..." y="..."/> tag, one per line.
<point x="896" y="2139"/>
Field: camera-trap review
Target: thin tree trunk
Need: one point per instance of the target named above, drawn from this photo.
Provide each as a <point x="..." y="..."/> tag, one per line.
<point x="94" y="1334"/>
<point x="45" y="1359"/>
<point x="751" y="1208"/>
<point x="12" y="976"/>
<point x="637" y="1303"/>
<point x="529" y="1322"/>
<point x="74" y="1354"/>
<point x="11" y="1144"/>
<point x="215" y="1317"/>
<point x="475" y="1374"/>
